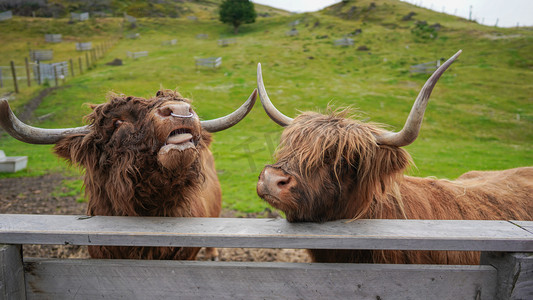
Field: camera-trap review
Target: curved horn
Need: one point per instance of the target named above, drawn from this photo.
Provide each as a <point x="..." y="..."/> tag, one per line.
<point x="30" y="134"/>
<point x="270" y="109"/>
<point x="410" y="130"/>
<point x="235" y="117"/>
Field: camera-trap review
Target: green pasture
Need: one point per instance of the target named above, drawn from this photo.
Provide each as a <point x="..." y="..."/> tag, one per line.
<point x="480" y="115"/>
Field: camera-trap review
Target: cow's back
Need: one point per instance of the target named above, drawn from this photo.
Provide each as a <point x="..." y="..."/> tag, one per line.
<point x="509" y="190"/>
<point x="476" y="195"/>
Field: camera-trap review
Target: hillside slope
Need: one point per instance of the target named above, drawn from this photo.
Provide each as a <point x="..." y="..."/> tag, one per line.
<point x="205" y="9"/>
<point x="480" y="115"/>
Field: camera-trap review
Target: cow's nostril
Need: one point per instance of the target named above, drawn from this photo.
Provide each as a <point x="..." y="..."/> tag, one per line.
<point x="283" y="182"/>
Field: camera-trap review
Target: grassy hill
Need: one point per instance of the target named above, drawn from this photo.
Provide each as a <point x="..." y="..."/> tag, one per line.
<point x="480" y="115"/>
<point x="203" y="9"/>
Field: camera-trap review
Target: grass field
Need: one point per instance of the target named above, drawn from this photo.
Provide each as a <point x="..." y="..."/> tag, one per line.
<point x="480" y="115"/>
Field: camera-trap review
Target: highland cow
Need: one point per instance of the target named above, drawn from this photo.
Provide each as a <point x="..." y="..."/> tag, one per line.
<point x="142" y="157"/>
<point x="332" y="167"/>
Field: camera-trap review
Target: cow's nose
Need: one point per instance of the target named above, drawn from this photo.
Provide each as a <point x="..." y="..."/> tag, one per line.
<point x="274" y="182"/>
<point x="180" y="110"/>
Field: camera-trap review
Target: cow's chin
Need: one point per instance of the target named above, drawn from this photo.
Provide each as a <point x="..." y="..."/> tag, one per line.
<point x="180" y="156"/>
<point x="287" y="206"/>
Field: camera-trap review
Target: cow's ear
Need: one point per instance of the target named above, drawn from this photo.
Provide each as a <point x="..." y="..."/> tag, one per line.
<point x="74" y="148"/>
<point x="392" y="160"/>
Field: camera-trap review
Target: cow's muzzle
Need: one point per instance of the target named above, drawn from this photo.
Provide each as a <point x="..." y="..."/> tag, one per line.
<point x="274" y="183"/>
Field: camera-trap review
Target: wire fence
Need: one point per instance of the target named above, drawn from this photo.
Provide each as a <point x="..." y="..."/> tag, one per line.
<point x="35" y="71"/>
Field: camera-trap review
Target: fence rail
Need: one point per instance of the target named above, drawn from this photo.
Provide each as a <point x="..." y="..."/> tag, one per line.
<point x="58" y="70"/>
<point x="505" y="273"/>
<point x="51" y="71"/>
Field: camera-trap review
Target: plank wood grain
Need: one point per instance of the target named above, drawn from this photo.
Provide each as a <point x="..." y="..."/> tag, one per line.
<point x="266" y="233"/>
<point x="127" y="279"/>
<point x="11" y="273"/>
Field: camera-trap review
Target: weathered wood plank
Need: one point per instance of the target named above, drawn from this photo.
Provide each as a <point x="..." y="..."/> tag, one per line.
<point x="82" y="279"/>
<point x="528" y="226"/>
<point x="515" y="274"/>
<point x="11" y="273"/>
<point x="265" y="233"/>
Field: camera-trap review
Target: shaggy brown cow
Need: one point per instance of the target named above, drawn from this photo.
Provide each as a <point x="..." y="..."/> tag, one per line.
<point x="143" y="157"/>
<point x="332" y="167"/>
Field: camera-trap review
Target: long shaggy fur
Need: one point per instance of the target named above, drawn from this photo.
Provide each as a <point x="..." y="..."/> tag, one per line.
<point x="125" y="177"/>
<point x="342" y="173"/>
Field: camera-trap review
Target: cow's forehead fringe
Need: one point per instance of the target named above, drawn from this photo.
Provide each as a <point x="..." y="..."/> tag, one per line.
<point x="160" y="96"/>
<point x="170" y="95"/>
<point x="314" y="138"/>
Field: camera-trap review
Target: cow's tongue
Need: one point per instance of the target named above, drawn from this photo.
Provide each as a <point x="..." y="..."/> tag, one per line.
<point x="179" y="138"/>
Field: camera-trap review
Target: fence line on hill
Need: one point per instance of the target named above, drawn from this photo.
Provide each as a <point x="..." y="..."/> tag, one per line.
<point x="50" y="73"/>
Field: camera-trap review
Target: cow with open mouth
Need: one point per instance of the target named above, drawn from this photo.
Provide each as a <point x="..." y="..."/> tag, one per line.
<point x="142" y="157"/>
<point x="332" y="167"/>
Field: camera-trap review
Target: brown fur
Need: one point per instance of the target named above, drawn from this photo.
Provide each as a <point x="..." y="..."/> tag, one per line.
<point x="338" y="171"/>
<point x="127" y="174"/>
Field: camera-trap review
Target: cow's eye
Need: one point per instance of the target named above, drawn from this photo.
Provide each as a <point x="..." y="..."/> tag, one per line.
<point x="118" y="123"/>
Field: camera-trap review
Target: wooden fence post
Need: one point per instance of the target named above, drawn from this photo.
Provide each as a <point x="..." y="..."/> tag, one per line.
<point x="1" y="79"/>
<point x="39" y="73"/>
<point x="12" y="285"/>
<point x="63" y="75"/>
<point x="81" y="67"/>
<point x="71" y="67"/>
<point x="87" y="60"/>
<point x="55" y="75"/>
<point x="94" y="58"/>
<point x="14" y="77"/>
<point x="28" y="74"/>
<point x="515" y="273"/>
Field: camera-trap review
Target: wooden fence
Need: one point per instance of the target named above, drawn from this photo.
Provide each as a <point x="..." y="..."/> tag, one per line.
<point x="506" y="271"/>
<point x="43" y="72"/>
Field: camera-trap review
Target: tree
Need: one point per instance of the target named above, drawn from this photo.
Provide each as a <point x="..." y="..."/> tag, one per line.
<point x="237" y="12"/>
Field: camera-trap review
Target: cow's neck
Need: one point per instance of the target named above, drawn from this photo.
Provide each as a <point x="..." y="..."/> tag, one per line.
<point x="165" y="195"/>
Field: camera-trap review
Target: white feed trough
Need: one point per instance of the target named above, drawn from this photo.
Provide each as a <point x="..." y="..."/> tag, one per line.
<point x="12" y="164"/>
